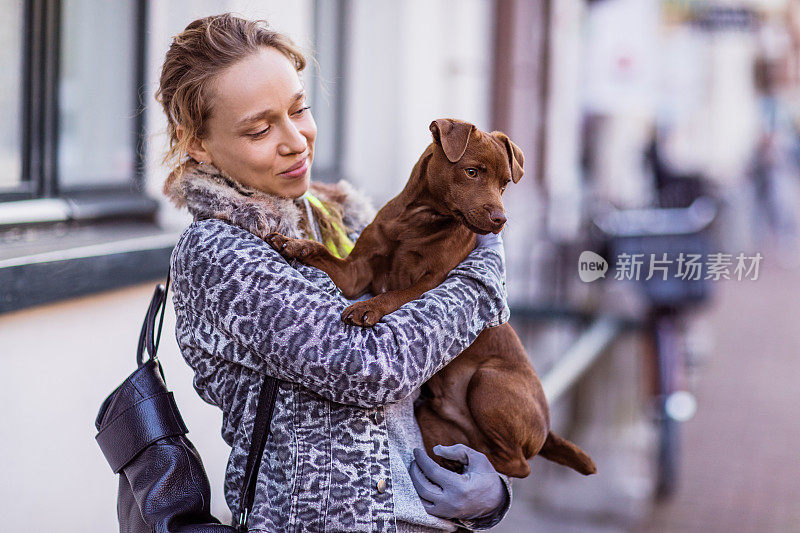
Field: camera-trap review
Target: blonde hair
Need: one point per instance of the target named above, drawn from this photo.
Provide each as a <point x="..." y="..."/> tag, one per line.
<point x="194" y="59"/>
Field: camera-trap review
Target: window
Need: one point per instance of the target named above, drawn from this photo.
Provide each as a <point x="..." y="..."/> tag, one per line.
<point x="70" y="96"/>
<point x="73" y="215"/>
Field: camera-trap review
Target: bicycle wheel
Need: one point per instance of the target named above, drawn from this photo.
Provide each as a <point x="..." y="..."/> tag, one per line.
<point x="668" y="361"/>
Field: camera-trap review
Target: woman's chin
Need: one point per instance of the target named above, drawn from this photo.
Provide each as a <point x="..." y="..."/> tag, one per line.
<point x="296" y="187"/>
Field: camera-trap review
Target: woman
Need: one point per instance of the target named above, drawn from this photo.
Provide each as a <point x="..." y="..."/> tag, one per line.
<point x="341" y="454"/>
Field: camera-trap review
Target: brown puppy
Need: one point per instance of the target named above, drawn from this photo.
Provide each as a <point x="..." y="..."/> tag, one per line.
<point x="489" y="397"/>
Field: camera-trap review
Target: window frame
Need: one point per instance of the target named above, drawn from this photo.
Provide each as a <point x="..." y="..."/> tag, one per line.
<point x="41" y="51"/>
<point x="331" y="43"/>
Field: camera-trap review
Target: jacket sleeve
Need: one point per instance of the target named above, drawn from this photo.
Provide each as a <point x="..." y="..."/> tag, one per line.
<point x="284" y="325"/>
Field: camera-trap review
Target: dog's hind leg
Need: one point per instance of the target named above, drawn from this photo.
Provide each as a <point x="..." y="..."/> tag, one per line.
<point x="438" y="431"/>
<point x="505" y="421"/>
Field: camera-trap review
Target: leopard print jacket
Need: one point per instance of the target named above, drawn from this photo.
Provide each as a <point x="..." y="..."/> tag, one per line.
<point x="244" y="311"/>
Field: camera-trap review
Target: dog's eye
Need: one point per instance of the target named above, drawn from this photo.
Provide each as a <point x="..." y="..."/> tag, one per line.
<point x="471" y="172"/>
<point x="503" y="188"/>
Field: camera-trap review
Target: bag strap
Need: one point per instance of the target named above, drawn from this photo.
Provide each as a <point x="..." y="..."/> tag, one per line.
<point x="261" y="426"/>
<point x="149" y="339"/>
<point x="152" y="344"/>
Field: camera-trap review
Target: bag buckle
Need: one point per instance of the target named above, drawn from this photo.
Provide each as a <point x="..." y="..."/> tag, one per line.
<point x="242" y="527"/>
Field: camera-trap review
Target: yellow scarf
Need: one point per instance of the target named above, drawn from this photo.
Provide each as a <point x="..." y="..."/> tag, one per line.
<point x="345" y="241"/>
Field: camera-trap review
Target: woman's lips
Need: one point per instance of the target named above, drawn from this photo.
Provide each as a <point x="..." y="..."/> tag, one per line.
<point x="295" y="171"/>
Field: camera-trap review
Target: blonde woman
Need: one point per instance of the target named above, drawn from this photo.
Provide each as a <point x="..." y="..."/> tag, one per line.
<point x="341" y="452"/>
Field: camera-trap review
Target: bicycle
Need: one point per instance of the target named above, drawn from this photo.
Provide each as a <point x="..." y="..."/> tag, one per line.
<point x="659" y="233"/>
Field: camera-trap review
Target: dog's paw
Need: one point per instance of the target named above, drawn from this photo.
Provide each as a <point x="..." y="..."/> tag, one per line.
<point x="293" y="248"/>
<point x="277" y="241"/>
<point x="453" y="466"/>
<point x="363" y="314"/>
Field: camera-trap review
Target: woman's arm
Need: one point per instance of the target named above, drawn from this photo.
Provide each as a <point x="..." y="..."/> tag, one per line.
<point x="288" y="327"/>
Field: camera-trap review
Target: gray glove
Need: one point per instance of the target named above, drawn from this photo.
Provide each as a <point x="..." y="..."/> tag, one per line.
<point x="477" y="492"/>
<point x="492" y="241"/>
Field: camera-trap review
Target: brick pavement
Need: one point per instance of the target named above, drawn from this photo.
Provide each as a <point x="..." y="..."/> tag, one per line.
<point x="741" y="469"/>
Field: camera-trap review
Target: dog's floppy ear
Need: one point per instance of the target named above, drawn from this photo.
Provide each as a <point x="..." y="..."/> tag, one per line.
<point x="515" y="157"/>
<point x="452" y="136"/>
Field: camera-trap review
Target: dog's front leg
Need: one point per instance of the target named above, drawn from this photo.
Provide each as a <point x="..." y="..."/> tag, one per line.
<point x="369" y="312"/>
<point x="352" y="274"/>
<point x="306" y="251"/>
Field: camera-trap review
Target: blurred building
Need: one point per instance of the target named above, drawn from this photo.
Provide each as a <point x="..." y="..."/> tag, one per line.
<point x="582" y="86"/>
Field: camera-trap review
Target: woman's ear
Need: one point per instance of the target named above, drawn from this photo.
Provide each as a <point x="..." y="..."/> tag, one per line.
<point x="196" y="148"/>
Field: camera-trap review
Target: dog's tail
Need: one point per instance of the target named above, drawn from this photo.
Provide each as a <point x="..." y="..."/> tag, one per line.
<point x="565" y="453"/>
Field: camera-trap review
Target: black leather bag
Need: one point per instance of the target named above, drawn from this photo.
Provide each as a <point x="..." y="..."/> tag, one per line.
<point x="163" y="486"/>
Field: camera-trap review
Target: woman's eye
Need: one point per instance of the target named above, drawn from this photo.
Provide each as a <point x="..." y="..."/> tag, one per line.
<point x="471" y="172"/>
<point x="302" y="110"/>
<point x="258" y="134"/>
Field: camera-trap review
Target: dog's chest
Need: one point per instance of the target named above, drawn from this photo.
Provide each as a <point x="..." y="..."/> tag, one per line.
<point x="420" y="255"/>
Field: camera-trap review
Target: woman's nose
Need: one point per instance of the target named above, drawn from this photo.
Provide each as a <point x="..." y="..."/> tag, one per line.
<point x="293" y="141"/>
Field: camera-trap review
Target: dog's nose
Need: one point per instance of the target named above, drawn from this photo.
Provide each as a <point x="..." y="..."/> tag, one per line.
<point x="497" y="216"/>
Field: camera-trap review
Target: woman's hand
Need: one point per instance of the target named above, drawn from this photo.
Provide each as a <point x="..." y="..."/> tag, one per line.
<point x="477" y="492"/>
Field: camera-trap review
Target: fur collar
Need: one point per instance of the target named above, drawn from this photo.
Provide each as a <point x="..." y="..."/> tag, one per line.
<point x="208" y="192"/>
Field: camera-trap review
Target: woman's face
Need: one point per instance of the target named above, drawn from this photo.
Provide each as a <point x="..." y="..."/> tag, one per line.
<point x="261" y="131"/>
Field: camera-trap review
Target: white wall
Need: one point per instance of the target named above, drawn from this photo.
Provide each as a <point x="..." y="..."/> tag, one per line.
<point x="411" y="63"/>
<point x="60" y="361"/>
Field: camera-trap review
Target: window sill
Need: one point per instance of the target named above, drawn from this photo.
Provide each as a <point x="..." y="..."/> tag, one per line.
<point x="65" y="260"/>
<point x="77" y="207"/>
